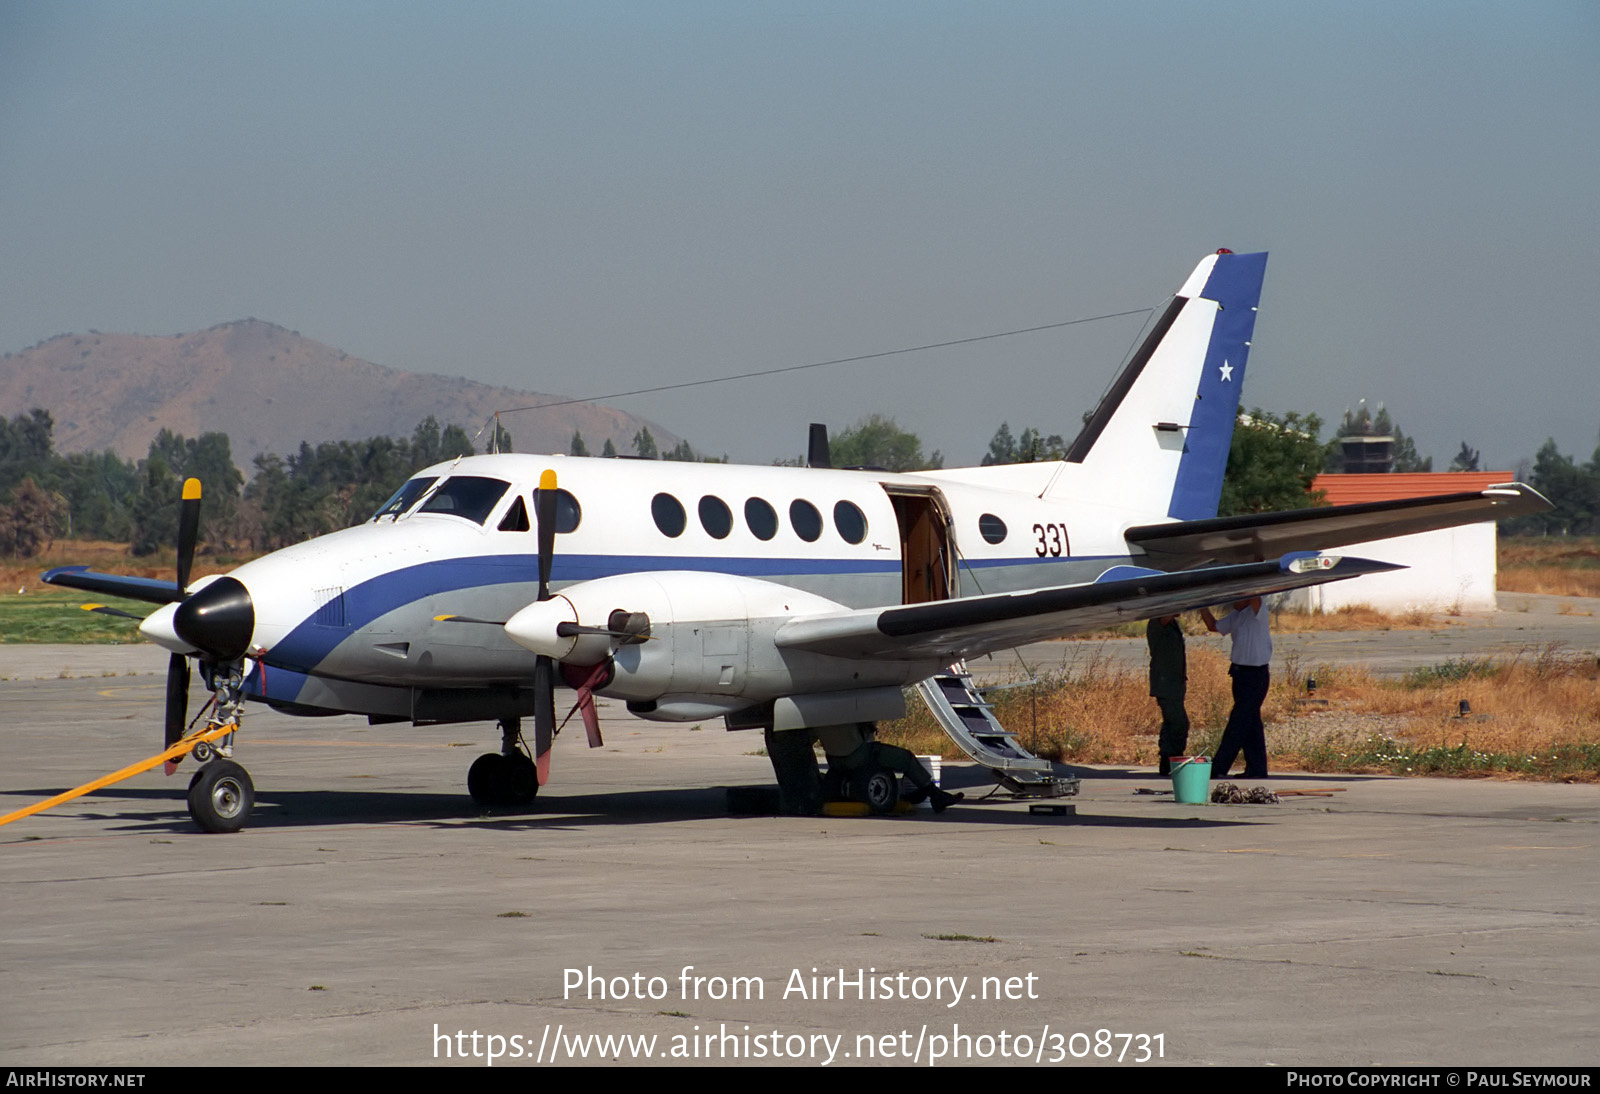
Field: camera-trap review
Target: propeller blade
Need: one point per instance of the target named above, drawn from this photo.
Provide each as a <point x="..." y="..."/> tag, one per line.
<point x="544" y="715"/>
<point x="106" y="609"/>
<point x="177" y="703"/>
<point x="188" y="531"/>
<point x="546" y="503"/>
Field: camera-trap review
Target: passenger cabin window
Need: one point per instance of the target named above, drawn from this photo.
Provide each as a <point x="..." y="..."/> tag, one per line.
<point x="568" y="512"/>
<point x="850" y="521"/>
<point x="761" y="517"/>
<point x="806" y="520"/>
<point x="469" y="496"/>
<point x="405" y="497"/>
<point x="715" y="516"/>
<point x="991" y="528"/>
<point x="669" y="515"/>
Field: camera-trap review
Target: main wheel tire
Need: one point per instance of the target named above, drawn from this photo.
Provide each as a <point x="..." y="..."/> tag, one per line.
<point x="489" y="779"/>
<point x="221" y="796"/>
<point x="522" y="779"/>
<point x="880" y="789"/>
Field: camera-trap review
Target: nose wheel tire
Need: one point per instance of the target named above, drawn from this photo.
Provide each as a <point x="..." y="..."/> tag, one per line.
<point x="221" y="796"/>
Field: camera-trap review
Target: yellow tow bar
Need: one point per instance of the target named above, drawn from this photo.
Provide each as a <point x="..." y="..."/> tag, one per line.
<point x="176" y="752"/>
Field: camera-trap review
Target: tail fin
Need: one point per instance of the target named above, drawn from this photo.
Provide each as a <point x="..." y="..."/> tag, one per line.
<point x="1158" y="441"/>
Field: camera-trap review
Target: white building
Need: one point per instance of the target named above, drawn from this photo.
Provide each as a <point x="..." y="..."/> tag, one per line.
<point x="1449" y="570"/>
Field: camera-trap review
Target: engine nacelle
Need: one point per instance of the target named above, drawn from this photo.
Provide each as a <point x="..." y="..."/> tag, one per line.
<point x="710" y="640"/>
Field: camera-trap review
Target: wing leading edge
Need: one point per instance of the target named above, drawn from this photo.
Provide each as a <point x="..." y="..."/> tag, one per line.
<point x="951" y="629"/>
<point x="148" y="589"/>
<point x="1255" y="537"/>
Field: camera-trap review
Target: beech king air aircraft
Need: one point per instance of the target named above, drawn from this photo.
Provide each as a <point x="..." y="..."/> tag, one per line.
<point x="792" y="600"/>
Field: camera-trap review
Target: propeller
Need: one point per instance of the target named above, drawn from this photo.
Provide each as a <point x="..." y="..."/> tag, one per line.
<point x="544" y="671"/>
<point x="215" y="622"/>
<point x="177" y="712"/>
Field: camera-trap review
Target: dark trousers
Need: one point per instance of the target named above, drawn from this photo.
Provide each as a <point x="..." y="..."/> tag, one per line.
<point x="1245" y="729"/>
<point x="1174" y="726"/>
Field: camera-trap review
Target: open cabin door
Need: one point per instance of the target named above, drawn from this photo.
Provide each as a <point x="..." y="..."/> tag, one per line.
<point x="926" y="554"/>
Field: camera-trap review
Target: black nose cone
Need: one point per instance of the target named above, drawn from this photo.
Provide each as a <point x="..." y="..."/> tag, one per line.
<point x="218" y="620"/>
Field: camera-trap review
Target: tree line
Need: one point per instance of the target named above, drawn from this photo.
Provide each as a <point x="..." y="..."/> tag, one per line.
<point x="291" y="497"/>
<point x="320" y="488"/>
<point x="45" y="494"/>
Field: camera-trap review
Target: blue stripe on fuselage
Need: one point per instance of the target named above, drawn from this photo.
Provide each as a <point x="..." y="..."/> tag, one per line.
<point x="305" y="647"/>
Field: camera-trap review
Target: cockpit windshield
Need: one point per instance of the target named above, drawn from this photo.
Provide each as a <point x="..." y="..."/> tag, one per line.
<point x="405" y="497"/>
<point x="469" y="496"/>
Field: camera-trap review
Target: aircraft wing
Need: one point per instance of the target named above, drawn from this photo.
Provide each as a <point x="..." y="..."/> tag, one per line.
<point x="147" y="589"/>
<point x="967" y="627"/>
<point x="1258" y="536"/>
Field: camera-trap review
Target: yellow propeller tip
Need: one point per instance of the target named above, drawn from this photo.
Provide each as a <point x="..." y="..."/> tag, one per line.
<point x="191" y="489"/>
<point x="547" y="481"/>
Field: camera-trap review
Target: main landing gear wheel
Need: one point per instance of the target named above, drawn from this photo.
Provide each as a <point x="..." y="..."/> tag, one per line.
<point x="498" y="779"/>
<point x="879" y="788"/>
<point x="221" y="796"/>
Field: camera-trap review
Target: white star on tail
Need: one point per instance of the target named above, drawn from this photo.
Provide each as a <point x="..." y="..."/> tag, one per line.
<point x="1227" y="371"/>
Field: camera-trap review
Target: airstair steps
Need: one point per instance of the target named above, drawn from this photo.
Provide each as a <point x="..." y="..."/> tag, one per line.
<point x="958" y="705"/>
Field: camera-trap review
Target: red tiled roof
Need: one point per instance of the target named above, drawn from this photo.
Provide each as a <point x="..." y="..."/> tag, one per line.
<point x="1351" y="489"/>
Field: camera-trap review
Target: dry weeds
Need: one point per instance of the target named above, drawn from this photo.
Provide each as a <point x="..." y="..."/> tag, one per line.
<point x="1551" y="565"/>
<point x="1537" y="714"/>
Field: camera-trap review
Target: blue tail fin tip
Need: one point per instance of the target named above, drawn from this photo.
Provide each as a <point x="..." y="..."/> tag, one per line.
<point x="1235" y="286"/>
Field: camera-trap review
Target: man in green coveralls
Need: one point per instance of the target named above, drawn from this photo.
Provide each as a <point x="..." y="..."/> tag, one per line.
<point x="1169" y="681"/>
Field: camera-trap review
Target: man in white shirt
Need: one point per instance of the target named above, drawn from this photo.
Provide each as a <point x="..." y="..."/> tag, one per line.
<point x="1251" y="651"/>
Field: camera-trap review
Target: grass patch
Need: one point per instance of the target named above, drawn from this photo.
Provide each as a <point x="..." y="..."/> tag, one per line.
<point x="45" y="613"/>
<point x="1384" y="754"/>
<point x="1449" y="672"/>
<point x="56" y="615"/>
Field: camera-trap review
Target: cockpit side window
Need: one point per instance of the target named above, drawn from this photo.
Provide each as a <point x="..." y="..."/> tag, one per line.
<point x="405" y="497"/>
<point x="516" y="518"/>
<point x="471" y="496"/>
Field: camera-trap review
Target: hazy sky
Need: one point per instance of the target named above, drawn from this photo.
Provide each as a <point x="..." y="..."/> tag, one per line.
<point x="590" y="197"/>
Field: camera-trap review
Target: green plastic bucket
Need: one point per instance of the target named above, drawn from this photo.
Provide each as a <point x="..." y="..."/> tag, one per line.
<point x="1191" y="779"/>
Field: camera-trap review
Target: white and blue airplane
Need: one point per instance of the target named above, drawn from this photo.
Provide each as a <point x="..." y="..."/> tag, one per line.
<point x="787" y="599"/>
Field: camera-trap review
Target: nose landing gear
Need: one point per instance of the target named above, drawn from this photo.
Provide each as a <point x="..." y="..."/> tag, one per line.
<point x="221" y="793"/>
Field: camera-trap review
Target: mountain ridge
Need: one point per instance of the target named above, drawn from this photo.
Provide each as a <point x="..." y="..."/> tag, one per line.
<point x="270" y="389"/>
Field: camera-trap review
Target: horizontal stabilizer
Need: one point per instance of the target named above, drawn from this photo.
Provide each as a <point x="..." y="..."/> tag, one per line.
<point x="147" y="589"/>
<point x="1255" y="537"/>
